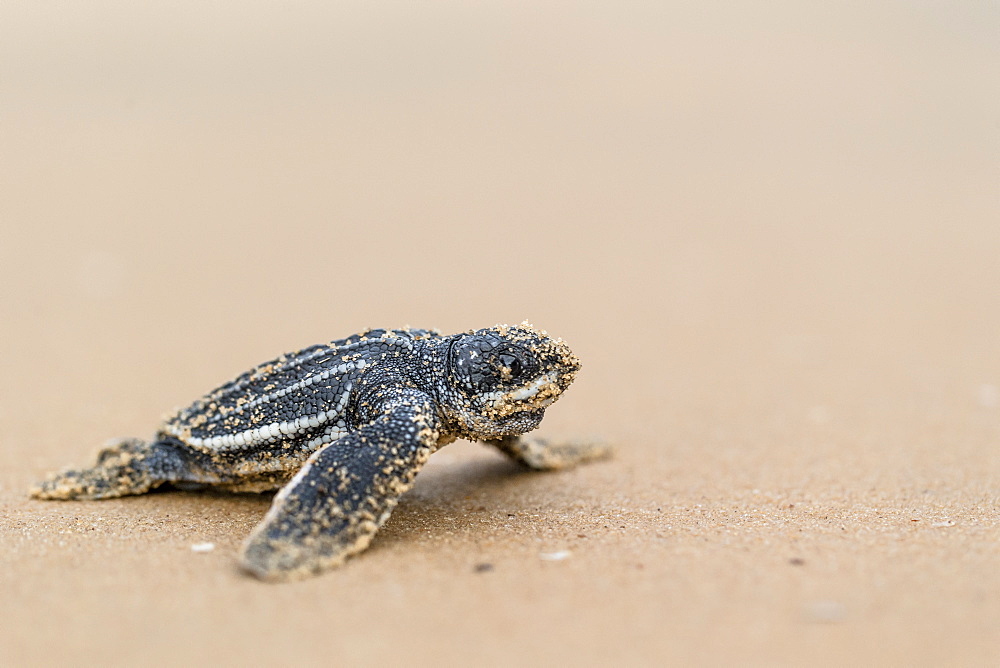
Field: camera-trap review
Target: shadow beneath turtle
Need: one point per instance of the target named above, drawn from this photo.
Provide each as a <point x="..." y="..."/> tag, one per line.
<point x="449" y="495"/>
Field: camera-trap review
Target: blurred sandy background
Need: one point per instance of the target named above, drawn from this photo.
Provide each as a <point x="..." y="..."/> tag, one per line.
<point x="770" y="230"/>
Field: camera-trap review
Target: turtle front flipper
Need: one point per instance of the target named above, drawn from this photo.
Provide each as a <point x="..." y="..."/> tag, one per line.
<point x="124" y="467"/>
<point x="332" y="508"/>
<point x="542" y="455"/>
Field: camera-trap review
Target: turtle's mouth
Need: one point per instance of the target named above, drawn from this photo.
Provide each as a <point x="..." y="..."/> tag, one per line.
<point x="540" y="393"/>
<point x="529" y="401"/>
<point x="532" y="389"/>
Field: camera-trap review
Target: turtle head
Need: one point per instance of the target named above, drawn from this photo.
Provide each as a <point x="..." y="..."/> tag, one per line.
<point x="500" y="380"/>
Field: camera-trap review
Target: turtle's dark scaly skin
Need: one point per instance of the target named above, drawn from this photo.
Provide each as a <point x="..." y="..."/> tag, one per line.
<point x="343" y="428"/>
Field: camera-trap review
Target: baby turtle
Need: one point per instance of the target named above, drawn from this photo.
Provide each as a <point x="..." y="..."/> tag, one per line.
<point x="343" y="428"/>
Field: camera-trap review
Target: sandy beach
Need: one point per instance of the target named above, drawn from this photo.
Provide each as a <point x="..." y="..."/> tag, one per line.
<point x="770" y="233"/>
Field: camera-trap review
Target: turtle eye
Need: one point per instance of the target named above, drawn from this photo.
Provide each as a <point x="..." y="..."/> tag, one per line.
<point x="511" y="367"/>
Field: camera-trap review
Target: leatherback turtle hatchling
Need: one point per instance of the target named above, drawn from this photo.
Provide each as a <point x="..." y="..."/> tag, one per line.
<point x="342" y="428"/>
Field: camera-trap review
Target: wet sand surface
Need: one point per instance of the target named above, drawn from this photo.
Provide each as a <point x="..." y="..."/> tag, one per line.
<point x="772" y="235"/>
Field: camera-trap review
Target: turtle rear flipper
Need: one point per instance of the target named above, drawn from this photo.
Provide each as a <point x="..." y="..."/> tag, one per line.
<point x="332" y="508"/>
<point x="127" y="466"/>
<point x="542" y="455"/>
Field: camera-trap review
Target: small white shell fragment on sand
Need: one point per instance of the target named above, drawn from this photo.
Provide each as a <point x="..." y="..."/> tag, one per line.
<point x="554" y="556"/>
<point x="201" y="548"/>
<point x="825" y="612"/>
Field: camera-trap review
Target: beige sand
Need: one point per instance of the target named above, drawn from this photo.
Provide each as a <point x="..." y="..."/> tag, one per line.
<point x="772" y="236"/>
